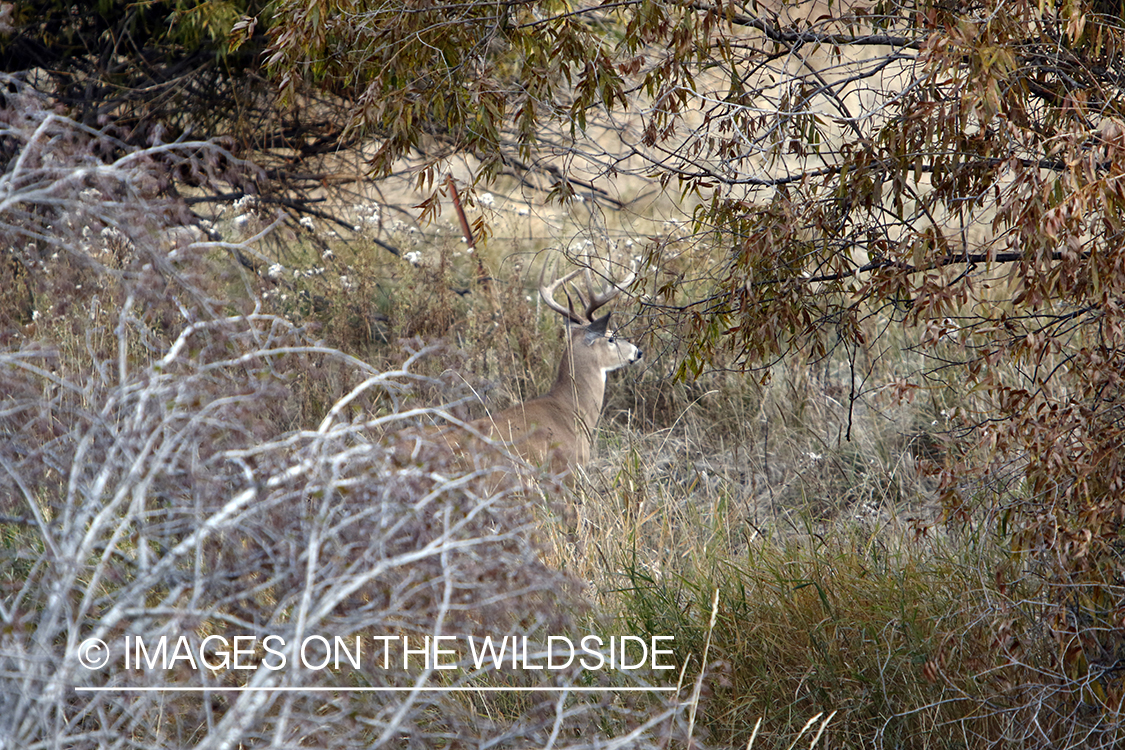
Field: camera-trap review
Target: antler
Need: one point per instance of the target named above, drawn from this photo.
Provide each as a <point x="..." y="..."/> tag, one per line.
<point x="612" y="289"/>
<point x="547" y="292"/>
<point x="594" y="299"/>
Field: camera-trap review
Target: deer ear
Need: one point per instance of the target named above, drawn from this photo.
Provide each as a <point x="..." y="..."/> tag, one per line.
<point x="599" y="326"/>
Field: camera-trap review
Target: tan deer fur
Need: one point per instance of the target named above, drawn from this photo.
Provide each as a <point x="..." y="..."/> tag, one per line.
<point x="559" y="425"/>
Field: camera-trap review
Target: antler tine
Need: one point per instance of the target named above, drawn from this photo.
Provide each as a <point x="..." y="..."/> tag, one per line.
<point x="547" y="292"/>
<point x="612" y="289"/>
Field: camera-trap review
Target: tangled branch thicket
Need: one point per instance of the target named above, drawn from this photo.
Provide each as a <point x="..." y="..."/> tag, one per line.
<point x="151" y="485"/>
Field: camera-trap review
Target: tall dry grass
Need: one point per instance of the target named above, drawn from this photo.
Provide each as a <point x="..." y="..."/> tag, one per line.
<point x="193" y="442"/>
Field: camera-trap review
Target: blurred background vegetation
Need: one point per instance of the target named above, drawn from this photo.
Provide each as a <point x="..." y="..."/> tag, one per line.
<point x="879" y="413"/>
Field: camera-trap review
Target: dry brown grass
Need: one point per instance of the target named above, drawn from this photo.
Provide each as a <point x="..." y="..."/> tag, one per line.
<point x="806" y="498"/>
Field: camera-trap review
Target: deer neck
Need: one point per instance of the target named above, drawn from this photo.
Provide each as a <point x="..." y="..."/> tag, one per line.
<point x="581" y="390"/>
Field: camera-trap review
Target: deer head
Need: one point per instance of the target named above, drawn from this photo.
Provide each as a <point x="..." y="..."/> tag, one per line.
<point x="592" y="350"/>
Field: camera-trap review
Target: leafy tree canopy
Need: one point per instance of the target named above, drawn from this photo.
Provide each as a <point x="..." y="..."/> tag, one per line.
<point x="136" y="65"/>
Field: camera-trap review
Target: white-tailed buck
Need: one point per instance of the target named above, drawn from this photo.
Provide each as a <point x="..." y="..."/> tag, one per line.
<point x="559" y="425"/>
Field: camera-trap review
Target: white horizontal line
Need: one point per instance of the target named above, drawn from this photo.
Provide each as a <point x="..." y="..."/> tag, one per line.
<point x="293" y="689"/>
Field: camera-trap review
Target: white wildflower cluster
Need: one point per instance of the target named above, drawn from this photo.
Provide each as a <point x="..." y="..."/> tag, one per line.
<point x="618" y="248"/>
<point x="115" y="241"/>
<point x="414" y="235"/>
<point x="247" y="203"/>
<point x="489" y="201"/>
<point x="91" y="195"/>
<point x="413" y="257"/>
<point x="347" y="284"/>
<point x="577" y="247"/>
<point x="367" y="215"/>
<point x="277" y="272"/>
<point x="247" y="207"/>
<point x="307" y="222"/>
